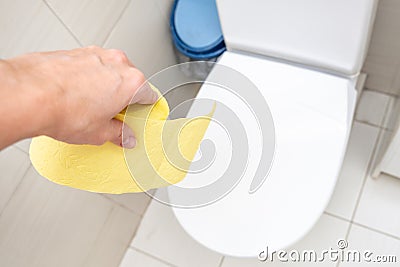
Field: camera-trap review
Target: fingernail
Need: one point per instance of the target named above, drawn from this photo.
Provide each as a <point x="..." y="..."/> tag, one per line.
<point x="129" y="140"/>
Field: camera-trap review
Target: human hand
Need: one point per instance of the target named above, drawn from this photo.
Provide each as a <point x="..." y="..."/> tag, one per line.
<point x="80" y="91"/>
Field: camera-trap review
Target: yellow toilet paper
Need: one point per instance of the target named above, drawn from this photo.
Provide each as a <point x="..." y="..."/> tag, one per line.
<point x="162" y="156"/>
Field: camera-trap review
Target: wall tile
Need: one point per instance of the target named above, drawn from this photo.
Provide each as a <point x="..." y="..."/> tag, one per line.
<point x="91" y="21"/>
<point x="149" y="47"/>
<point x="372" y="107"/>
<point x="165" y="6"/>
<point x="355" y="166"/>
<point x="29" y="26"/>
<point x="13" y="165"/>
<point x="392" y="121"/>
<point x="383" y="61"/>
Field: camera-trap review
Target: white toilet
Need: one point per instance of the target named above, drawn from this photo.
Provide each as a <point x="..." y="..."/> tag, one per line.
<point x="304" y="57"/>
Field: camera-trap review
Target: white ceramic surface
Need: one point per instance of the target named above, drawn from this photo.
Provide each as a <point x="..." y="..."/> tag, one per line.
<point x="332" y="35"/>
<point x="312" y="112"/>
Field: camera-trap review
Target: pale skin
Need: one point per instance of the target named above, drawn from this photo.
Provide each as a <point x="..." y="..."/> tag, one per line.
<point x="72" y="96"/>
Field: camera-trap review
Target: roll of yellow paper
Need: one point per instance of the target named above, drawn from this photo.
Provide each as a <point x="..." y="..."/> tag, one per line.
<point x="162" y="156"/>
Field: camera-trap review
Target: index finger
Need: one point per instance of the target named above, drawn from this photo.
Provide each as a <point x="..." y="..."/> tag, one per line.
<point x="145" y="95"/>
<point x="136" y="88"/>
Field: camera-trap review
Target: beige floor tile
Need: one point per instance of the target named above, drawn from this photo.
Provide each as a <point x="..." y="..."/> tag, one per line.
<point x="134" y="258"/>
<point x="324" y="235"/>
<point x="136" y="202"/>
<point x="161" y="235"/>
<point x="29" y="26"/>
<point x="91" y="21"/>
<point x="165" y="6"/>
<point x="45" y="224"/>
<point x="114" y="238"/>
<point x="372" y="107"/>
<point x="362" y="239"/>
<point x="149" y="48"/>
<point x="354" y="169"/>
<point x="13" y="165"/>
<point x="379" y="206"/>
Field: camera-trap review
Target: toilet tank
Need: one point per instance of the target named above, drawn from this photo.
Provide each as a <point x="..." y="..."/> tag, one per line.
<point x="328" y="34"/>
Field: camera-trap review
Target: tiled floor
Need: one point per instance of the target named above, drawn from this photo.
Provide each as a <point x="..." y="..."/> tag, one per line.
<point x="41" y="223"/>
<point x="364" y="211"/>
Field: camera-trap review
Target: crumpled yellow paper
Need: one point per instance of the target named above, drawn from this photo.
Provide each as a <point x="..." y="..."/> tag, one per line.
<point x="162" y="156"/>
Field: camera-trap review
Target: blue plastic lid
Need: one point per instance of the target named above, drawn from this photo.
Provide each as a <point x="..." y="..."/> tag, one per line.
<point x="197" y="25"/>
<point x="203" y="55"/>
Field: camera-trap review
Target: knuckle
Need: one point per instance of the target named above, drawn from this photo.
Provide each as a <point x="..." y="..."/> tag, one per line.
<point x="138" y="76"/>
<point x="119" y="56"/>
<point x="93" y="47"/>
<point x="94" y="58"/>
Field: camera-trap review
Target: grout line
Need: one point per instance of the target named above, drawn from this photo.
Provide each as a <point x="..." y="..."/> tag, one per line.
<point x="375" y="160"/>
<point x="388" y="110"/>
<point x="367" y="123"/>
<point x="62" y="22"/>
<point x="98" y="236"/>
<point x="152" y="256"/>
<point x="376" y="230"/>
<point x="20" y="149"/>
<point x="337" y="264"/>
<point x="367" y="174"/>
<point x="166" y="18"/>
<point x="137" y="228"/>
<point x="148" y="205"/>
<point x="128" y="246"/>
<point x="222" y="261"/>
<point x="383" y="93"/>
<point x="336" y="216"/>
<point x="16" y="188"/>
<point x="107" y="37"/>
<point x="121" y="205"/>
<point x="346" y="237"/>
<point x="386" y="115"/>
<point x="133" y="236"/>
<point x="373" y="125"/>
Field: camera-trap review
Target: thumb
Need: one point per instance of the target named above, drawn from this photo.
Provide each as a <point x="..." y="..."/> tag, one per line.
<point x="121" y="134"/>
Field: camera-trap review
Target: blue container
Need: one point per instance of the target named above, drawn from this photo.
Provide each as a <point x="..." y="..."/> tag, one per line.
<point x="196" y="30"/>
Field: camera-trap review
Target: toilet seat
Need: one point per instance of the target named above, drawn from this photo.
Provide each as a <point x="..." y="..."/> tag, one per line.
<point x="312" y="113"/>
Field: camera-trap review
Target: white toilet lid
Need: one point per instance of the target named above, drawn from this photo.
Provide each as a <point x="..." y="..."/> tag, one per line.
<point x="312" y="113"/>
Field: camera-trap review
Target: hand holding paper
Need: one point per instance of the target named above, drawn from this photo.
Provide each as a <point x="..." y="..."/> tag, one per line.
<point x="103" y="168"/>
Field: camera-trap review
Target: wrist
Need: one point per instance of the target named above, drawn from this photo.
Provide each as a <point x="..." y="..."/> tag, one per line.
<point x="33" y="115"/>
